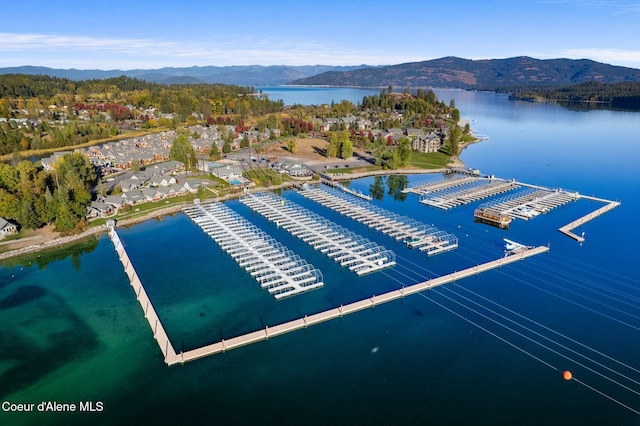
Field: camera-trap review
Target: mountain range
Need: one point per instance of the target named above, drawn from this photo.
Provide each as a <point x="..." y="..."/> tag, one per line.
<point x="486" y="74"/>
<point x="240" y="75"/>
<point x="489" y="74"/>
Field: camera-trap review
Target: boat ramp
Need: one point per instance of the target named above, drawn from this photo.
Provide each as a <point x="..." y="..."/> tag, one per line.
<point x="416" y="234"/>
<point x="350" y="250"/>
<point x="276" y="268"/>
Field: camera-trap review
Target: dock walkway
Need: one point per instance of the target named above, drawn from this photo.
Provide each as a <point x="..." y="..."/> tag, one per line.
<point x="439" y="182"/>
<point x="350" y="250"/>
<point x="467" y="192"/>
<point x="530" y="202"/>
<point x="568" y="228"/>
<point x="375" y="300"/>
<point x="145" y="303"/>
<point x="343" y="188"/>
<point x="414" y="233"/>
<point x="276" y="268"/>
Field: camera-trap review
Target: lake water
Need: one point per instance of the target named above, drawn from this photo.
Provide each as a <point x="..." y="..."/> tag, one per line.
<point x="73" y="331"/>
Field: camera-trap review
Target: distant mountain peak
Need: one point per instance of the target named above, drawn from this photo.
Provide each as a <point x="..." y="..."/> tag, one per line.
<point x="233" y="74"/>
<point x="489" y="74"/>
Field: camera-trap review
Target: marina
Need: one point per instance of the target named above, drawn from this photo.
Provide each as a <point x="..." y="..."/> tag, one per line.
<point x="342" y="310"/>
<point x="348" y="249"/>
<point x="212" y="216"/>
<point x="276" y="268"/>
<point x="416" y="234"/>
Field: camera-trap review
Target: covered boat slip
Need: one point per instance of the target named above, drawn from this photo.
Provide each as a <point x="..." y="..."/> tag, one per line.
<point x="350" y="250"/>
<point x="467" y="192"/>
<point x="440" y="182"/>
<point x="391" y="224"/>
<point x="530" y="202"/>
<point x="276" y="268"/>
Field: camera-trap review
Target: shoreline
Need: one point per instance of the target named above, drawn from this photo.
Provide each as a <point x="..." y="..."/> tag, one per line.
<point x="59" y="241"/>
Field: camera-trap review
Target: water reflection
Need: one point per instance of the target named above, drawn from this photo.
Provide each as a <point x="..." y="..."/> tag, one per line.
<point x="43" y="258"/>
<point x="394" y="183"/>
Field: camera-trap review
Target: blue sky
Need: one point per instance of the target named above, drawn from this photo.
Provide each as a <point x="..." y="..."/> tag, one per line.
<point x="131" y="34"/>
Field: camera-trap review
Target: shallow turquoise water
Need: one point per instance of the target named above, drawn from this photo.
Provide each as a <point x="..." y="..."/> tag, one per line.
<point x="73" y="330"/>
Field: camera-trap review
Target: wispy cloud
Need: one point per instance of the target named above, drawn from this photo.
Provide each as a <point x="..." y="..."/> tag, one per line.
<point x="615" y="6"/>
<point x="242" y="50"/>
<point x="608" y="56"/>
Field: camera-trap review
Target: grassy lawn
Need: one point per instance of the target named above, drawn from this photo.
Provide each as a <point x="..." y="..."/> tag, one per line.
<point x="144" y="208"/>
<point x="431" y="160"/>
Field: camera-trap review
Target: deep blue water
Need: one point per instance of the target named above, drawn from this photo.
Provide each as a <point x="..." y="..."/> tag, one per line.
<point x="73" y="331"/>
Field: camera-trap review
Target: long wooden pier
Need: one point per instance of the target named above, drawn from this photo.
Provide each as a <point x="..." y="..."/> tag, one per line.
<point x="308" y="320"/>
<point x="586" y="218"/>
<point x="145" y="303"/>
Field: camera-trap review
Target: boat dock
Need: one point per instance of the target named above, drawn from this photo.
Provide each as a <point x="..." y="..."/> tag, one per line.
<point x="276" y="268"/>
<point x="343" y="188"/>
<point x="145" y="303"/>
<point x="416" y="234"/>
<point x="467" y="192"/>
<point x="530" y="202"/>
<point x="610" y="205"/>
<point x="350" y="250"/>
<point x="375" y="300"/>
<point x="440" y="182"/>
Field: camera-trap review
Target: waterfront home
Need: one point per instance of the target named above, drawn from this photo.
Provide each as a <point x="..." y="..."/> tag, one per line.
<point x="151" y="194"/>
<point x="166" y="191"/>
<point x="99" y="209"/>
<point x="227" y="172"/>
<point x="134" y="196"/>
<point x="7" y="228"/>
<point x="117" y="201"/>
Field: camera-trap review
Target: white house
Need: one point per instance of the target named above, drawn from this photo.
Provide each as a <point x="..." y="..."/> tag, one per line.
<point x="7" y="228"/>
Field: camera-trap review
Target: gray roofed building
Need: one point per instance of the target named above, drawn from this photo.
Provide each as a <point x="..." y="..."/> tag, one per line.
<point x="7" y="228"/>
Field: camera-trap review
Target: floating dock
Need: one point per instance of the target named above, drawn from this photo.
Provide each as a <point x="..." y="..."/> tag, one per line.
<point x="350" y="250"/>
<point x="276" y="268"/>
<point x="416" y="234"/>
<point x="567" y="229"/>
<point x="375" y="300"/>
<point x="440" y="182"/>
<point x="145" y="303"/>
<point x="467" y="192"/>
<point x="343" y="188"/>
<point x="530" y="202"/>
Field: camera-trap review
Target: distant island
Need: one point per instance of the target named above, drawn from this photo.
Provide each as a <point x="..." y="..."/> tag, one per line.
<point x="616" y="95"/>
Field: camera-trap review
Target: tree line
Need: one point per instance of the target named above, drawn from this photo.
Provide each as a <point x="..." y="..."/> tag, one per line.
<point x="34" y="197"/>
<point x="58" y="102"/>
<point x="623" y="94"/>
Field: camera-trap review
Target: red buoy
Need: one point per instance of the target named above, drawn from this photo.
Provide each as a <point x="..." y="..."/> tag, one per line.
<point x="567" y="375"/>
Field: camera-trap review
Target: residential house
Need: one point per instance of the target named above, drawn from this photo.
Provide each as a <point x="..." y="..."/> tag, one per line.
<point x="134" y="196"/>
<point x="7" y="228"/>
<point x="99" y="209"/>
<point x="115" y="200"/>
<point x="152" y="194"/>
